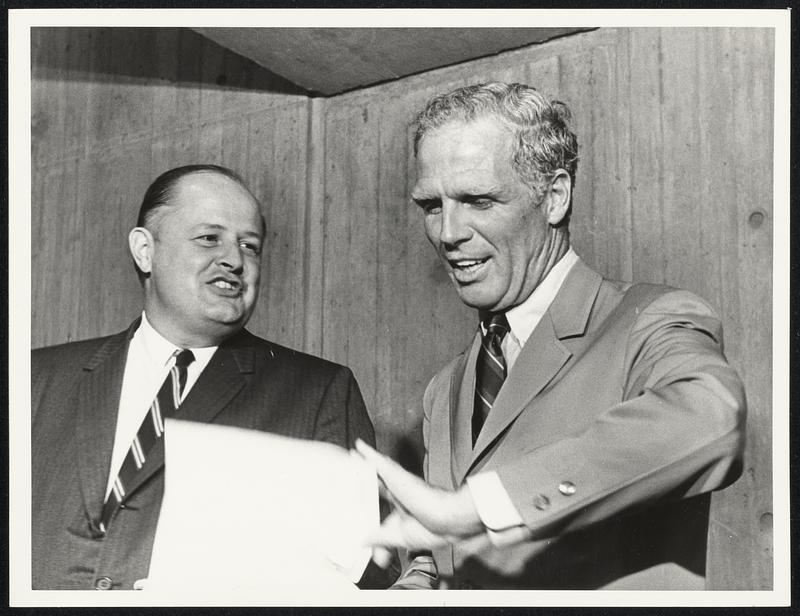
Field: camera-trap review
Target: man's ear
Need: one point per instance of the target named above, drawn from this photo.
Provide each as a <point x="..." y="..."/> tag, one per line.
<point x="140" y="242"/>
<point x="558" y="198"/>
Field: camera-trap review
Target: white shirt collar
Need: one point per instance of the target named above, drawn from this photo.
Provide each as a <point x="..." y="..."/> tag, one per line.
<point x="523" y="318"/>
<point x="157" y="349"/>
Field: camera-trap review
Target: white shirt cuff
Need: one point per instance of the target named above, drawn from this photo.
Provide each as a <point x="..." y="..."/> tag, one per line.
<point x="504" y="524"/>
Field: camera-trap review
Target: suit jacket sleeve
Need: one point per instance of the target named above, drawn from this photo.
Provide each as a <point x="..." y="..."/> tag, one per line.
<point x="342" y="415"/>
<point x="343" y="418"/>
<point x="677" y="432"/>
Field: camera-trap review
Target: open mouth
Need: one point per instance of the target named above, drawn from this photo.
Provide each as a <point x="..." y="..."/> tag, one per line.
<point x="226" y="286"/>
<point x="466" y="266"/>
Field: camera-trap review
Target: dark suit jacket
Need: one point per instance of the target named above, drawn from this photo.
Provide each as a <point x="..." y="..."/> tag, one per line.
<point x="249" y="382"/>
<point x="619" y="411"/>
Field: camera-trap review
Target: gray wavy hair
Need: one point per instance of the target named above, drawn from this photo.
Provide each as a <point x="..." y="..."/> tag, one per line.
<point x="544" y="142"/>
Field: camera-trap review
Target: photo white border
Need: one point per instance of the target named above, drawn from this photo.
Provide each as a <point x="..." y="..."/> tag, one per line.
<point x="19" y="279"/>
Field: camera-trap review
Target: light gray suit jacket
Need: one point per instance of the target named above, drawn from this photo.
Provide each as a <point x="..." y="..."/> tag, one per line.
<point x="618" y="417"/>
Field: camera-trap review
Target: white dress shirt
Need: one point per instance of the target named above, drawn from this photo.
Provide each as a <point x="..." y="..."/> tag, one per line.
<point x="491" y="499"/>
<point x="150" y="358"/>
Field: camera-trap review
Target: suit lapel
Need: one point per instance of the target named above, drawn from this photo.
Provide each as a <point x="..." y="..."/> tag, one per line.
<point x="220" y="381"/>
<point x="540" y="360"/>
<point x="462" y="397"/>
<point x="97" y="406"/>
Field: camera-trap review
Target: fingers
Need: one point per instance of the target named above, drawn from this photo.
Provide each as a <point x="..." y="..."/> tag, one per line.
<point x="381" y="556"/>
<point x="428" y="513"/>
<point x="399" y="530"/>
<point x="381" y="463"/>
<point x="405" y="488"/>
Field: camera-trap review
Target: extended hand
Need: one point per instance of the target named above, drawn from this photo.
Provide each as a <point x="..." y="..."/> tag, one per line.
<point x="424" y="517"/>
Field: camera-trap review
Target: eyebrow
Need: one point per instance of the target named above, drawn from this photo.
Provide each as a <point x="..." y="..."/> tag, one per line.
<point x="475" y="190"/>
<point x="217" y="227"/>
<point x="422" y="196"/>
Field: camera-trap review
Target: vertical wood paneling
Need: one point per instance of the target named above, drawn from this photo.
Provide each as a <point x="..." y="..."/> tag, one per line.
<point x="119" y="109"/>
<point x="112" y="109"/>
<point x="54" y="234"/>
<point x="363" y="253"/>
<point x="275" y="149"/>
<point x="730" y="531"/>
<point x="179" y="147"/>
<point x="750" y="501"/>
<point x="336" y="293"/>
<point x="47" y="112"/>
<point x="622" y="131"/>
<point x="576" y="81"/>
<point x="673" y="186"/>
<point x="351" y="261"/>
<point x="647" y="132"/>
<point x="394" y="419"/>
<point x="544" y="74"/>
<point x="171" y="106"/>
<point x="104" y="283"/>
<point x="681" y="182"/>
<point x="313" y="267"/>
<point x="611" y="215"/>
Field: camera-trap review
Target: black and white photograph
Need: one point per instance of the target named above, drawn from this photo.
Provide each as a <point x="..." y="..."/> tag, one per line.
<point x="309" y="305"/>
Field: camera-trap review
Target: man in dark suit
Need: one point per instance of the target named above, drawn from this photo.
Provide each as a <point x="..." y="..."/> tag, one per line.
<point x="574" y="442"/>
<point x="98" y="405"/>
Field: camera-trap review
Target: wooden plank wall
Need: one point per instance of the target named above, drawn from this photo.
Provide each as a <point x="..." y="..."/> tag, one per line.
<point x="674" y="185"/>
<point x="113" y="108"/>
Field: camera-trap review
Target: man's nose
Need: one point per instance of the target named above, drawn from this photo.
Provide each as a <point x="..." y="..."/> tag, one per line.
<point x="454" y="228"/>
<point x="231" y="257"/>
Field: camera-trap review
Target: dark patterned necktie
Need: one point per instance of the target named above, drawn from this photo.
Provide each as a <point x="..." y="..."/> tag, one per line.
<point x="165" y="404"/>
<point x="490" y="371"/>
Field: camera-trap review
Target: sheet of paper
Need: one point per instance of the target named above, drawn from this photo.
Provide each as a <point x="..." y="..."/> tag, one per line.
<point x="248" y="511"/>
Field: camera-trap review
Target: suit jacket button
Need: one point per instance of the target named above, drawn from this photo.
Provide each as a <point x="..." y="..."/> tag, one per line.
<point x="567" y="488"/>
<point x="103" y="583"/>
<point x="541" y="502"/>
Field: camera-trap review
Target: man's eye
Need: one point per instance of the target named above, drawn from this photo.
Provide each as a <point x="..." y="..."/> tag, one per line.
<point x="251" y="248"/>
<point x="429" y="206"/>
<point x="208" y="239"/>
<point x="479" y="201"/>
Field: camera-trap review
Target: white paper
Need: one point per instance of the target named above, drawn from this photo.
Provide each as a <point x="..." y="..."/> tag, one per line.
<point x="248" y="511"/>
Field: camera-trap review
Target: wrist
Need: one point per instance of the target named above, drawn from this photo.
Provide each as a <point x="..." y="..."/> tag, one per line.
<point x="465" y="521"/>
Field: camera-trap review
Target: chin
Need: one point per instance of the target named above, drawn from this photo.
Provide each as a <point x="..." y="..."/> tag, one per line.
<point x="226" y="321"/>
<point x="478" y="303"/>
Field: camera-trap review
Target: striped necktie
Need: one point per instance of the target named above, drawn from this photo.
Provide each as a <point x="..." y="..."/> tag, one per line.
<point x="165" y="404"/>
<point x="490" y="371"/>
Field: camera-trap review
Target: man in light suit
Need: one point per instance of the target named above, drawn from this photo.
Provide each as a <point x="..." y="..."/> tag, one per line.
<point x="197" y="247"/>
<point x="574" y="442"/>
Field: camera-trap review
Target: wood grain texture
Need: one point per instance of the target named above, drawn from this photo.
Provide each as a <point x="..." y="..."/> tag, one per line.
<point x="744" y="518"/>
<point x="114" y="108"/>
<point x="313" y="272"/>
<point x="673" y="185"/>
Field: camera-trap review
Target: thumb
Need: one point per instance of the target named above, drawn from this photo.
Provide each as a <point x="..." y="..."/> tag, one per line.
<point x="404" y="487"/>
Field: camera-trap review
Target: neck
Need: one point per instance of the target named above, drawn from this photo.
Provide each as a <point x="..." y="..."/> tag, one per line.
<point x="556" y="246"/>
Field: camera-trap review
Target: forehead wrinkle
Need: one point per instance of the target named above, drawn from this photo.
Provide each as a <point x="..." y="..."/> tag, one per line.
<point x="463" y="183"/>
